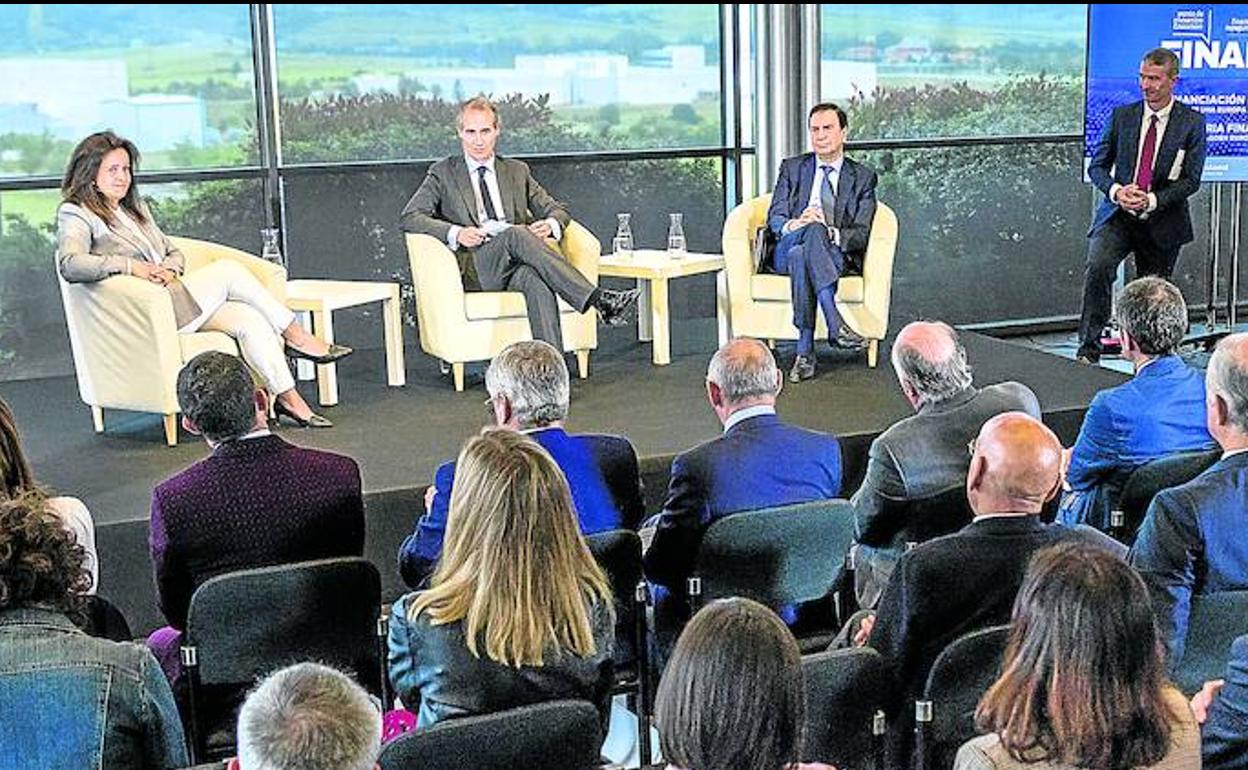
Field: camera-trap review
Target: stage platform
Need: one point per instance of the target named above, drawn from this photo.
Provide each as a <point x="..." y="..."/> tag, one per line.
<point x="400" y="435"/>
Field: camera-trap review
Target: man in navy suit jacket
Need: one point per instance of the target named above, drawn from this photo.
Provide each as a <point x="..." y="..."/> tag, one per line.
<point x="1145" y="208"/>
<point x="1222" y="709"/>
<point x="758" y="462"/>
<point x="821" y="211"/>
<point x="255" y="501"/>
<point x="529" y="391"/>
<point x="1192" y="538"/>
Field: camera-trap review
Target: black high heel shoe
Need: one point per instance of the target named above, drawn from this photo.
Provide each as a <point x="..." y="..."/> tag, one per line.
<point x="334" y="353"/>
<point x="313" y="420"/>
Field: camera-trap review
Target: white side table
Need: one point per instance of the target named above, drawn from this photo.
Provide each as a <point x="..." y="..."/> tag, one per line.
<point x="653" y="269"/>
<point x="322" y="298"/>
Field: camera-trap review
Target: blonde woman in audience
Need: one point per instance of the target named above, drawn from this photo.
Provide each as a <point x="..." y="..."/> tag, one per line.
<point x="518" y="612"/>
<point x="732" y="697"/>
<point x="1082" y="684"/>
<point x="16" y="479"/>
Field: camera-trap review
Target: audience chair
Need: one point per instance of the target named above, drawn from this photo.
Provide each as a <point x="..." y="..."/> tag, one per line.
<point x="1147" y="480"/>
<point x="618" y="552"/>
<point x="459" y="326"/>
<point x="1215" y="621"/>
<point x="919" y="520"/>
<point x="945" y="716"/>
<point x="102" y="619"/>
<point x="558" y="735"/>
<point x="777" y="556"/>
<point x="126" y="346"/>
<point x="242" y="625"/>
<point x="844" y="708"/>
<point x="760" y="305"/>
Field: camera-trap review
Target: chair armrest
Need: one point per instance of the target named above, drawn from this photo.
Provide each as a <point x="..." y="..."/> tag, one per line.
<point x="582" y="250"/>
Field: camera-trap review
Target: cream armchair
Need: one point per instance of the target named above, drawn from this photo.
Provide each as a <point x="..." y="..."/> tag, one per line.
<point x="458" y="326"/>
<point x="127" y="350"/>
<point x="760" y="305"/>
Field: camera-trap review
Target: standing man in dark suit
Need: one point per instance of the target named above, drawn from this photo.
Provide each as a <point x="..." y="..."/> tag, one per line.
<point x="496" y="217"/>
<point x="255" y="501"/>
<point x="1148" y="164"/>
<point x="758" y="462"/>
<point x="528" y="387"/>
<point x="821" y="211"/>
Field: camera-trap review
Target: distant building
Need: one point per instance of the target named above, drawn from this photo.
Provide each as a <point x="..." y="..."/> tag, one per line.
<point x="839" y="79"/>
<point x="157" y="121"/>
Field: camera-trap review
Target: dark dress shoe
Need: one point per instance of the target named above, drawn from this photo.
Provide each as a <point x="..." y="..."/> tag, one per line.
<point x="803" y="369"/>
<point x="848" y="339"/>
<point x="334" y="353"/>
<point x="614" y="306"/>
<point x="313" y="420"/>
<point x="1088" y="355"/>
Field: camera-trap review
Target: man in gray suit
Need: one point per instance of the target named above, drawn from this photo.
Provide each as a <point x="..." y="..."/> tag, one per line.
<point x="496" y="217"/>
<point x="924" y="455"/>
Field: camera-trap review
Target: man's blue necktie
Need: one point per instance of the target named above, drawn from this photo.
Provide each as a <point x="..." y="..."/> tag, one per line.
<point x="827" y="197"/>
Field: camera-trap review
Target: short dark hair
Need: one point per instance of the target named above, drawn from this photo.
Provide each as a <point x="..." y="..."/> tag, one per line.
<point x="215" y="391"/>
<point x="1163" y="57"/>
<point x="78" y="184"/>
<point x="841" y="117"/>
<point x="732" y="693"/>
<point x="1153" y="312"/>
<point x="1082" y="680"/>
<point x="40" y="561"/>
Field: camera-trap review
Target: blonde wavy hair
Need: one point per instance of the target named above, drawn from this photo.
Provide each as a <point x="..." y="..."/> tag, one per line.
<point x="514" y="567"/>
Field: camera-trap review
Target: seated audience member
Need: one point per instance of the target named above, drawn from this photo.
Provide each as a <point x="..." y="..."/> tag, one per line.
<point x="732" y="693"/>
<point x="1159" y="412"/>
<point x="1221" y="707"/>
<point x="758" y="462"/>
<point x="68" y="700"/>
<point x="517" y="610"/>
<point x="1082" y="684"/>
<point x="255" y="501"/>
<point x="923" y="455"/>
<point x="17" y="479"/>
<point x="529" y="392"/>
<point x="1192" y="538"/>
<point x="958" y="583"/>
<point x="308" y="717"/>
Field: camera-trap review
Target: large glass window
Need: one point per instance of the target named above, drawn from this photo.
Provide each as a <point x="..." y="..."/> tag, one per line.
<point x="370" y="82"/>
<point x="910" y="71"/>
<point x="176" y="79"/>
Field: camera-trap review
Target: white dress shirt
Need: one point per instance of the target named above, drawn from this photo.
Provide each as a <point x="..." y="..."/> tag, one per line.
<point x="496" y="197"/>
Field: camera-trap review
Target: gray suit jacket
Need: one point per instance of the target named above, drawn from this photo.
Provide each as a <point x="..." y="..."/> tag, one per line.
<point x="88" y="249"/>
<point x="920" y="457"/>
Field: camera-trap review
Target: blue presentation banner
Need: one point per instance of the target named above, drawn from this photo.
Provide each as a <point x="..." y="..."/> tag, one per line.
<point x="1212" y="45"/>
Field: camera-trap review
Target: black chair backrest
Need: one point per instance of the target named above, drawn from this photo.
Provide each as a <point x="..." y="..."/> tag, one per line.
<point x="618" y="552"/>
<point x="1214" y="622"/>
<point x="559" y="735"/>
<point x="960" y="676"/>
<point x="246" y="624"/>
<point x="103" y="619"/>
<point x="1150" y="478"/>
<point x="776" y="556"/>
<point x="921" y="519"/>
<point x="844" y="690"/>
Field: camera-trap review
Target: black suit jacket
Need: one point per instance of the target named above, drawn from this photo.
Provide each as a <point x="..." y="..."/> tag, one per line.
<point x="1114" y="163"/>
<point x="855" y="201"/>
<point x="1224" y="736"/>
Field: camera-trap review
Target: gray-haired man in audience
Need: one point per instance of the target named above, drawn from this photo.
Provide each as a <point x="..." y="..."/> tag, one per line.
<point x="308" y="717"/>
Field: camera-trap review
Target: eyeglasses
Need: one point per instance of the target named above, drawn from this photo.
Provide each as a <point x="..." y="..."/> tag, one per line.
<point x="970" y="446"/>
<point x="489" y="407"/>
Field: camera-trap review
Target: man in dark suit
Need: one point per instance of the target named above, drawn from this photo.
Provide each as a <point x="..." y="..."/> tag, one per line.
<point x="923" y="456"/>
<point x="821" y="212"/>
<point x="528" y="387"/>
<point x="966" y="581"/>
<point x="255" y="501"/>
<point x="1221" y="708"/>
<point x="1147" y="165"/>
<point x="496" y="217"/>
<point x="758" y="462"/>
<point x="1192" y="538"/>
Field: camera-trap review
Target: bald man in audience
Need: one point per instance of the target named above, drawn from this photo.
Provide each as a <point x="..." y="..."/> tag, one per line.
<point x="966" y="581"/>
<point x="923" y="455"/>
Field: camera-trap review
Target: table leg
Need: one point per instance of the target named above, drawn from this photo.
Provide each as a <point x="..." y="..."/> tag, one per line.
<point x="396" y="373"/>
<point x="660" y="323"/>
<point x="305" y="370"/>
<point x="721" y="308"/>
<point x="644" y="331"/>
<point x="326" y="374"/>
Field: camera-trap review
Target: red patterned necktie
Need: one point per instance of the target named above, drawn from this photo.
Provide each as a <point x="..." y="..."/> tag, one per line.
<point x="1144" y="174"/>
